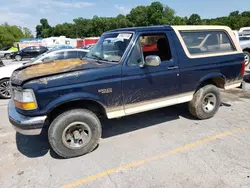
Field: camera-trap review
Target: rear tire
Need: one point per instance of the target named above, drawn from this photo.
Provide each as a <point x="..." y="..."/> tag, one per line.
<point x="74" y="133"/>
<point x="205" y="103"/>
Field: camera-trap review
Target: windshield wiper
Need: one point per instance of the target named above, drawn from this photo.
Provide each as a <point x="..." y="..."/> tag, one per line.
<point x="99" y="59"/>
<point x="96" y="57"/>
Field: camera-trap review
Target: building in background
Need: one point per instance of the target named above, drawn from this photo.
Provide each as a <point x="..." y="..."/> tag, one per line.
<point x="29" y="42"/>
<point x="87" y="41"/>
<point x="52" y="42"/>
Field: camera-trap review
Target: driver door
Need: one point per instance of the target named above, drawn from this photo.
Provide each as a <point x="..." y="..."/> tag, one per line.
<point x="150" y="87"/>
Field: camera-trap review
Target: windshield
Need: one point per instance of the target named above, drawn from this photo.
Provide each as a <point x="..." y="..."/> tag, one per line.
<point x="110" y="47"/>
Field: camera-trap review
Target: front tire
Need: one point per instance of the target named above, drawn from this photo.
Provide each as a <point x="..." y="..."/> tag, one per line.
<point x="5" y="92"/>
<point x="206" y="102"/>
<point x="74" y="133"/>
<point x="18" y="58"/>
<point x="7" y="56"/>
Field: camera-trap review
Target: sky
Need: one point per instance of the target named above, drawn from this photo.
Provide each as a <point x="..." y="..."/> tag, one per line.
<point x="27" y="13"/>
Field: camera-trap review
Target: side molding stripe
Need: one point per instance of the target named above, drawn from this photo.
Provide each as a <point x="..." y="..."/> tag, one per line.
<point x="150" y="105"/>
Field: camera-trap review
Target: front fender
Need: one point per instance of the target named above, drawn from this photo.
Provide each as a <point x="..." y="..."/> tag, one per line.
<point x="73" y="97"/>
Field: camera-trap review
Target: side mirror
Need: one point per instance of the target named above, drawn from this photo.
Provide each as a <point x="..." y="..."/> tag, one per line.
<point x="152" y="60"/>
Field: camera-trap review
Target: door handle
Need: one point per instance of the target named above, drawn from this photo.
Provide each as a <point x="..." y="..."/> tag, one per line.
<point x="172" y="67"/>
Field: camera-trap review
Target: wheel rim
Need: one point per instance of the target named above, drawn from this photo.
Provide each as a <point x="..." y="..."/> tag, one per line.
<point x="18" y="58"/>
<point x="209" y="102"/>
<point x="7" y="56"/>
<point x="246" y="59"/>
<point x="5" y="89"/>
<point x="76" y="135"/>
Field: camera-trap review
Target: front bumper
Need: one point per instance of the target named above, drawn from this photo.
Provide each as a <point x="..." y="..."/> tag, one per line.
<point x="23" y="124"/>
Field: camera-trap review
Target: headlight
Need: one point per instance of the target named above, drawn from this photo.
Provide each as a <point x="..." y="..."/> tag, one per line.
<point x="25" y="99"/>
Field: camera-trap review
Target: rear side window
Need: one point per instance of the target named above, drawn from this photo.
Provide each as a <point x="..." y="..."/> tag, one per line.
<point x="207" y="42"/>
<point x="81" y="54"/>
<point x="71" y="55"/>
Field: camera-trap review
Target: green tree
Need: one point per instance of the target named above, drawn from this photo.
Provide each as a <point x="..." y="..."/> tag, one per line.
<point x="194" y="19"/>
<point x="11" y="33"/>
<point x="246" y="14"/>
<point x="168" y="16"/>
<point x="44" y="29"/>
<point x="180" y="21"/>
<point x="139" y="16"/>
<point x="154" y="14"/>
<point x="27" y="33"/>
<point x="234" y="13"/>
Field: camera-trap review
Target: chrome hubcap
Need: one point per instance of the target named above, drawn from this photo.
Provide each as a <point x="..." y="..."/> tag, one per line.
<point x="76" y="135"/>
<point x="209" y="102"/>
<point x="5" y="89"/>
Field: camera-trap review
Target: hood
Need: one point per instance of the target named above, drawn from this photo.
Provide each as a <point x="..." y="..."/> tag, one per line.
<point x="44" y="69"/>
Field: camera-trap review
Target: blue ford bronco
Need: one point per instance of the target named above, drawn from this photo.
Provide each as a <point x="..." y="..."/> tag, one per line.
<point x="129" y="71"/>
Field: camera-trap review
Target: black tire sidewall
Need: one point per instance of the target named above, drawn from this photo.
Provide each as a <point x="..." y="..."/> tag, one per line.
<point x="62" y="121"/>
<point x="199" y="98"/>
<point x="247" y="53"/>
<point x="7" y="56"/>
<point x="1" y="96"/>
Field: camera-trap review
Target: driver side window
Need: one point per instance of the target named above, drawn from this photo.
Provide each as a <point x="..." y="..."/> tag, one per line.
<point x="136" y="55"/>
<point x="27" y="49"/>
<point x="155" y="44"/>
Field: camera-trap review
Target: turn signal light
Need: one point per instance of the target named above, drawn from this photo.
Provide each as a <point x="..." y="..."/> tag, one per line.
<point x="25" y="106"/>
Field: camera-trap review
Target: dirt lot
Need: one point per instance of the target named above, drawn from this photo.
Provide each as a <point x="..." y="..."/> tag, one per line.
<point x="161" y="148"/>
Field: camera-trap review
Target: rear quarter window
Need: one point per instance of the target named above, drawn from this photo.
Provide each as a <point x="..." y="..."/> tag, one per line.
<point x="207" y="42"/>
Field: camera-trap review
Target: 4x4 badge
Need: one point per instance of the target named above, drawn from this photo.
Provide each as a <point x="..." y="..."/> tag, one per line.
<point x="104" y="91"/>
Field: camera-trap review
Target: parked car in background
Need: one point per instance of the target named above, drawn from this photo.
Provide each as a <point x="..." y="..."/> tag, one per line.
<point x="5" y="74"/>
<point x="1" y="62"/>
<point x="28" y="52"/>
<point x="60" y="47"/>
<point x="59" y="54"/>
<point x="244" y="38"/>
<point x="244" y="31"/>
<point x="6" y="51"/>
<point x="88" y="47"/>
<point x="245" y="45"/>
<point x="6" y="71"/>
<point x="118" y="78"/>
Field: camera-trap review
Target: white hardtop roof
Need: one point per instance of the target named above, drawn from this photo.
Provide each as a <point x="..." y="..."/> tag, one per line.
<point x="200" y="27"/>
